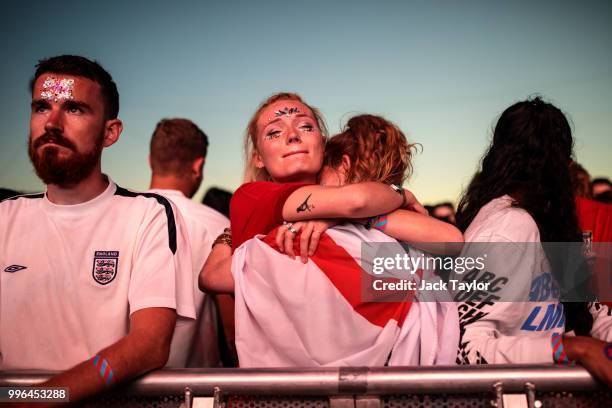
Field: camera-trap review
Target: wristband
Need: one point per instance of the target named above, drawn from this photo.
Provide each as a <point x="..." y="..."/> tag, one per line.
<point x="399" y="190"/>
<point x="559" y="355"/>
<point x="381" y="222"/>
<point x="104" y="368"/>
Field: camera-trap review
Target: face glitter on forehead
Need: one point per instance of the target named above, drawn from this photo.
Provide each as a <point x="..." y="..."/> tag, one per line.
<point x="286" y="111"/>
<point x="56" y="90"/>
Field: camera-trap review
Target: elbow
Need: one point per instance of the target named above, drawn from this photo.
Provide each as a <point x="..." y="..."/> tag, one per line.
<point x="205" y="283"/>
<point x="454" y="242"/>
<point x="215" y="278"/>
<point x="202" y="280"/>
<point x="159" y="356"/>
<point x="456" y="236"/>
<point x="206" y="278"/>
<point x="156" y="353"/>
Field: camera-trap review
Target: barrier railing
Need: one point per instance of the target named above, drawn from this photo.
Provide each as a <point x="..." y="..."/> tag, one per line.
<point x="507" y="385"/>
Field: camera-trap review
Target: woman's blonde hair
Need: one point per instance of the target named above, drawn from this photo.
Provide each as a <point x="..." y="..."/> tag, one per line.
<point x="377" y="148"/>
<point x="251" y="172"/>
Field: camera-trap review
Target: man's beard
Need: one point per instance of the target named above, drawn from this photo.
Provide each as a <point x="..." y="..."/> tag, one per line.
<point x="63" y="171"/>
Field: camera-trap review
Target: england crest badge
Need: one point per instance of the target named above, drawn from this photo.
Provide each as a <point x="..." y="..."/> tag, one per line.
<point x="105" y="266"/>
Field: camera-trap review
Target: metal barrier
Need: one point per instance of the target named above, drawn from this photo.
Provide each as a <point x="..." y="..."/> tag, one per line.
<point x="458" y="386"/>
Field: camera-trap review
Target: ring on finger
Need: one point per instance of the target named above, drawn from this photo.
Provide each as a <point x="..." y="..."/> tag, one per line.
<point x="291" y="229"/>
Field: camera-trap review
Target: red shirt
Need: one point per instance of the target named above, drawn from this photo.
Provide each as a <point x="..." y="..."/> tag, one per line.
<point x="257" y="208"/>
<point x="595" y="216"/>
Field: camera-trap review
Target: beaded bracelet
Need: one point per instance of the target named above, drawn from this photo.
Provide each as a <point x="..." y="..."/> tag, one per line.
<point x="559" y="355"/>
<point x="224" y="238"/>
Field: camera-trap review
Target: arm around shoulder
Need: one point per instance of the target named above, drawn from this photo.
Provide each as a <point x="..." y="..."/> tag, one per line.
<point x="424" y="232"/>
<point x="349" y="201"/>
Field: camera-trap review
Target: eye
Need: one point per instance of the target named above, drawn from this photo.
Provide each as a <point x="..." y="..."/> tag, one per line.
<point x="307" y="127"/>
<point x="39" y="108"/>
<point x="75" y="109"/>
<point x="272" y="134"/>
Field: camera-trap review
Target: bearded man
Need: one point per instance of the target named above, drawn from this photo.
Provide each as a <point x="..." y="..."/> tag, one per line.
<point x="92" y="276"/>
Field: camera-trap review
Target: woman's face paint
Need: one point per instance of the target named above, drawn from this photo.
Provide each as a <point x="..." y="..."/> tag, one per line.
<point x="286" y="111"/>
<point x="55" y="89"/>
<point x="289" y="142"/>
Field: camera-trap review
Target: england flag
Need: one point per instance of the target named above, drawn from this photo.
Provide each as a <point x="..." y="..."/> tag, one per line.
<point x="290" y="314"/>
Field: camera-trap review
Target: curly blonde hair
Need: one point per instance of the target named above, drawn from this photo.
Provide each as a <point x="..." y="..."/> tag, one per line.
<point x="377" y="148"/>
<point x="252" y="172"/>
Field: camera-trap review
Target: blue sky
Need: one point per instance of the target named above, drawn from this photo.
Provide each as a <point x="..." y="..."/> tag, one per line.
<point x="443" y="71"/>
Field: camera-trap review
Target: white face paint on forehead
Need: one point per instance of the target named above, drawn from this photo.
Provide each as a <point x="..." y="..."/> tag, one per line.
<point x="57" y="89"/>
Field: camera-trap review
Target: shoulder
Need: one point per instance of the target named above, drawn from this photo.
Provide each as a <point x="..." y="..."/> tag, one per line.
<point x="261" y="188"/>
<point x="146" y="199"/>
<point x="213" y="217"/>
<point x="257" y="188"/>
<point x="200" y="215"/>
<point x="22" y="198"/>
<point x="499" y="219"/>
<point x="253" y="195"/>
<point x="151" y="206"/>
<point x="20" y="203"/>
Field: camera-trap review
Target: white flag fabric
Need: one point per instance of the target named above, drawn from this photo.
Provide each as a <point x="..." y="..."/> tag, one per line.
<point x="290" y="314"/>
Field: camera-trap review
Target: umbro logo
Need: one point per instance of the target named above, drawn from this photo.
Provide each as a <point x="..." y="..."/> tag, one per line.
<point x="14" y="268"/>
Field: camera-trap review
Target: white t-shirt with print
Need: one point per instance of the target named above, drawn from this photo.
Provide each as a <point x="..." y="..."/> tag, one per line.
<point x="519" y="331"/>
<point x="71" y="275"/>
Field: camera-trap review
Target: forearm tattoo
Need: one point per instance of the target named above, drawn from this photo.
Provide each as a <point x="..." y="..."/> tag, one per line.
<point x="305" y="206"/>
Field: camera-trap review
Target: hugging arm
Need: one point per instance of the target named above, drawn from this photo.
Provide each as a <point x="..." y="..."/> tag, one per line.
<point x="424" y="232"/>
<point x="349" y="201"/>
<point x="368" y="199"/>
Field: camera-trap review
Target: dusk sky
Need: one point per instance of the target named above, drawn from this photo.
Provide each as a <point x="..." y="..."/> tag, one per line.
<point x="443" y="71"/>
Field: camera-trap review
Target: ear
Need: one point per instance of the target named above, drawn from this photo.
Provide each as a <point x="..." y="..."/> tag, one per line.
<point x="150" y="164"/>
<point x="258" y="160"/>
<point x="346" y="163"/>
<point x="112" y="131"/>
<point x="197" y="167"/>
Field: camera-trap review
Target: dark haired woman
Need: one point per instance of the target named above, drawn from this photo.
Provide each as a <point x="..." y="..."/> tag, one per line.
<point x="521" y="197"/>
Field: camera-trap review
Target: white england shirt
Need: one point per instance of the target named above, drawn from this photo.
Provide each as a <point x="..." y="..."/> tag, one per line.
<point x="195" y="342"/>
<point x="71" y="275"/>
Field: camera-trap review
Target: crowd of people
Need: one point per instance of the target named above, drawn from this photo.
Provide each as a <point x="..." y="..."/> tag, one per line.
<point x="102" y="284"/>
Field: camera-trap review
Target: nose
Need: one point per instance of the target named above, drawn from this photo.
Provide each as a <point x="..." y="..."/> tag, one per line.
<point x="54" y="121"/>
<point x="294" y="137"/>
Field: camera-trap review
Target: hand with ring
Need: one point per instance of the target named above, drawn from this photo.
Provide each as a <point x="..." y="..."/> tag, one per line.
<point x="311" y="232"/>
